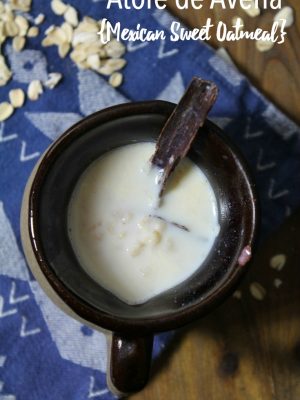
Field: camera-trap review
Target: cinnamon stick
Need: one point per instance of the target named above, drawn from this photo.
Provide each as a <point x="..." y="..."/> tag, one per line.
<point x="182" y="126"/>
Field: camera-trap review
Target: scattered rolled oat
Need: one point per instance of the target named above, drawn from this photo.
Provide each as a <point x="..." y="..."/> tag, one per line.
<point x="6" y="110"/>
<point x="93" y="61"/>
<point x="85" y="46"/>
<point x="79" y="38"/>
<point x="18" y="43"/>
<point x="285" y="14"/>
<point x="235" y="20"/>
<point x="22" y="24"/>
<point x="114" y="49"/>
<point x="55" y="36"/>
<point x="33" y="31"/>
<point x="53" y="79"/>
<point x="16" y="26"/>
<point x="264" y="45"/>
<point x="5" y="73"/>
<point x="20" y="5"/>
<point x="35" y="89"/>
<point x="49" y="29"/>
<point x="237" y="294"/>
<point x="16" y="97"/>
<point x="257" y="291"/>
<point x="84" y="38"/>
<point x="71" y="16"/>
<point x="39" y="19"/>
<point x="252" y="11"/>
<point x="112" y="65"/>
<point x="78" y="56"/>
<point x="11" y="29"/>
<point x="2" y="33"/>
<point x="63" y="49"/>
<point x="88" y="24"/>
<point x="115" y="80"/>
<point x="58" y="7"/>
<point x="277" y="282"/>
<point x="278" y="261"/>
<point x="68" y="30"/>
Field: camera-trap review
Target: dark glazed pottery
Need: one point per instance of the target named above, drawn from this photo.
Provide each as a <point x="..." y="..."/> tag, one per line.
<point x="46" y="216"/>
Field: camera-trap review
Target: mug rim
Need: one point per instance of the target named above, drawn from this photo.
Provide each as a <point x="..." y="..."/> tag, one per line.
<point x="81" y="307"/>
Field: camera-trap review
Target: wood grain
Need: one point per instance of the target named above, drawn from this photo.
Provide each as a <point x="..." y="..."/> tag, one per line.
<point x="277" y="72"/>
<point x="246" y="349"/>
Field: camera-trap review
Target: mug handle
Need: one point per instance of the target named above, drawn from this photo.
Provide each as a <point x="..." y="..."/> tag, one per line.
<point x="129" y="362"/>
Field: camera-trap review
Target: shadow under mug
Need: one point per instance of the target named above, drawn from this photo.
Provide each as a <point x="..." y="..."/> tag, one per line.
<point x="54" y="264"/>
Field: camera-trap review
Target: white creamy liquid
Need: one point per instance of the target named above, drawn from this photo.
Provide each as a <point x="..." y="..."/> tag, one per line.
<point x="125" y="243"/>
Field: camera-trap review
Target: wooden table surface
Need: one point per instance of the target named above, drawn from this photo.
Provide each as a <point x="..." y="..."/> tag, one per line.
<point x="246" y="349"/>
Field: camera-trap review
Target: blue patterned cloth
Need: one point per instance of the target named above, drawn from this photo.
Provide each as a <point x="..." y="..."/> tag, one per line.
<point x="45" y="355"/>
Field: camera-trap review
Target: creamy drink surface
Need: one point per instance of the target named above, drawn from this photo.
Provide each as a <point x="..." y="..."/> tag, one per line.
<point x="128" y="243"/>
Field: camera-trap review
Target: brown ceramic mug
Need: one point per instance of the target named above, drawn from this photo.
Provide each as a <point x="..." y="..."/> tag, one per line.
<point x="54" y="264"/>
